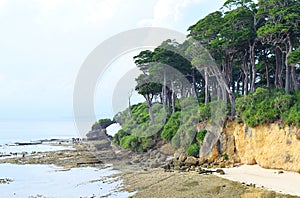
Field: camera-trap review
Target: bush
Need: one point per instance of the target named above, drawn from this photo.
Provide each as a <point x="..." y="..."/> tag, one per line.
<point x="146" y="143"/>
<point x="193" y="150"/>
<point x="119" y="135"/>
<point x="263" y="107"/>
<point x="204" y="112"/>
<point x="171" y="127"/>
<point x="129" y="142"/>
<point x="201" y="135"/>
<point x="293" y="116"/>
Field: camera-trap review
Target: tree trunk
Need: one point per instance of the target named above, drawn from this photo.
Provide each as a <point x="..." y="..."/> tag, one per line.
<point x="246" y="73"/>
<point x="173" y="98"/>
<point x="149" y="105"/>
<point x="287" y="67"/>
<point x="278" y="71"/>
<point x="267" y="71"/>
<point x="206" y="86"/>
<point x="294" y="78"/>
<point x="164" y="92"/>
<point x="252" y="62"/>
<point x="129" y="105"/>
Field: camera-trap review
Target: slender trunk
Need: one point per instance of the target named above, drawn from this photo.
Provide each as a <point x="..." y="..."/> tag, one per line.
<point x="252" y="62"/>
<point x="246" y="73"/>
<point x="206" y="86"/>
<point x="278" y="71"/>
<point x="164" y="91"/>
<point x="129" y="108"/>
<point x="267" y="71"/>
<point x="149" y="105"/>
<point x="288" y="68"/>
<point x="173" y="98"/>
<point x="294" y="78"/>
<point x="169" y="99"/>
<point x="194" y="82"/>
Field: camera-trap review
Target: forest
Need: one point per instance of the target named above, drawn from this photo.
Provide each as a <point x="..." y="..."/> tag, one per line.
<point x="244" y="57"/>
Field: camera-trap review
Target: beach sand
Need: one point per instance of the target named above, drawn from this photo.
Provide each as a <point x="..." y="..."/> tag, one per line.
<point x="279" y="181"/>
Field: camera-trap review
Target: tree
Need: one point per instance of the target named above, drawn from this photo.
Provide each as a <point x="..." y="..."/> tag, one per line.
<point x="148" y="89"/>
<point x="281" y="29"/>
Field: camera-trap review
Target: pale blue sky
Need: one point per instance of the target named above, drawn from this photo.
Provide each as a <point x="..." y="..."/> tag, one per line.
<point x="44" y="42"/>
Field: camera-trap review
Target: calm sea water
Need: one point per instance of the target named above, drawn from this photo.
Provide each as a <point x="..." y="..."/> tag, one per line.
<point x="20" y="130"/>
<point x="47" y="180"/>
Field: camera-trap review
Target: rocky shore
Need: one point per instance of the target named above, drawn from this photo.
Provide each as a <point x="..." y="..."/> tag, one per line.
<point x="155" y="173"/>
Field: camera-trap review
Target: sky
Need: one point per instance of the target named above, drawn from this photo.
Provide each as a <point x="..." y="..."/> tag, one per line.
<point x="43" y="44"/>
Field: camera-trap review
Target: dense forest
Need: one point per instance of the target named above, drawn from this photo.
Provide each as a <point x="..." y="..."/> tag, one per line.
<point x="245" y="55"/>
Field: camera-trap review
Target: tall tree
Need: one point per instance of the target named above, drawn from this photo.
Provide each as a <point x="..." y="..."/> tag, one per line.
<point x="281" y="29"/>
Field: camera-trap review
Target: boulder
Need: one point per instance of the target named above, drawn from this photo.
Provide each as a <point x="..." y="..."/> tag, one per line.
<point x="251" y="161"/>
<point x="182" y="157"/>
<point x="191" y="161"/>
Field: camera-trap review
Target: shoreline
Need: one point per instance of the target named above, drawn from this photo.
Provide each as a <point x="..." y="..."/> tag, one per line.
<point x="142" y="181"/>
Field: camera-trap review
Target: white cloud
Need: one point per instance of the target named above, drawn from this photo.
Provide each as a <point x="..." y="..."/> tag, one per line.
<point x="167" y="12"/>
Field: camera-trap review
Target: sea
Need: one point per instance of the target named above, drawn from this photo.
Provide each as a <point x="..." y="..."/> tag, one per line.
<point x="49" y="180"/>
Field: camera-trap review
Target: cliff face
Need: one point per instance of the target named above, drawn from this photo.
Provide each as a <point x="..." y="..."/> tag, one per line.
<point x="270" y="146"/>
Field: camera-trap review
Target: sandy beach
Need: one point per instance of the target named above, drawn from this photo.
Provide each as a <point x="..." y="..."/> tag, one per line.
<point x="279" y="181"/>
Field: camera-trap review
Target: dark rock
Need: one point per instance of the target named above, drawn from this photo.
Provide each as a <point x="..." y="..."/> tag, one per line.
<point x="220" y="171"/>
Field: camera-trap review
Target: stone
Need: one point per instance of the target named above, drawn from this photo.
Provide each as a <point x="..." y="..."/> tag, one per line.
<point x="176" y="155"/>
<point x="136" y="160"/>
<point x="192" y="168"/>
<point x="191" y="160"/>
<point x="222" y="165"/>
<point x="220" y="171"/>
<point x="182" y="157"/>
<point x="201" y="161"/>
<point x="251" y="161"/>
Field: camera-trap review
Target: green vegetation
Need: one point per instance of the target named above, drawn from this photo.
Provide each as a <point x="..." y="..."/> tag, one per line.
<point x="200" y="136"/>
<point x="241" y="62"/>
<point x="99" y="122"/>
<point x="263" y="106"/>
<point x="193" y="150"/>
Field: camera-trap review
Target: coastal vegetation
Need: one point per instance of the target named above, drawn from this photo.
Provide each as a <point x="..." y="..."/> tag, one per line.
<point x="239" y="63"/>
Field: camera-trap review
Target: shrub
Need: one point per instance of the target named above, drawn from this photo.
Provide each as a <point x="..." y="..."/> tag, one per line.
<point x="193" y="150"/>
<point x="171" y="127"/>
<point x="129" y="142"/>
<point x="201" y="135"/>
<point x="119" y="135"/>
<point x="263" y="107"/>
<point x="146" y="143"/>
<point x="293" y="116"/>
<point x="204" y="112"/>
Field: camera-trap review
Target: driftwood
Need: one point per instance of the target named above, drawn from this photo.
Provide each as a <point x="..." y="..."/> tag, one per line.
<point x="204" y="171"/>
<point x="92" y="162"/>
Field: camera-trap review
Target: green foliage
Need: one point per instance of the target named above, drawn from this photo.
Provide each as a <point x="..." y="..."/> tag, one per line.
<point x="102" y="121"/>
<point x="171" y="127"/>
<point x="129" y="142"/>
<point x="264" y="106"/>
<point x="193" y="150"/>
<point x="204" y="112"/>
<point x="225" y="155"/>
<point x="146" y="143"/>
<point x="293" y="116"/>
<point x="118" y="136"/>
<point x="200" y="136"/>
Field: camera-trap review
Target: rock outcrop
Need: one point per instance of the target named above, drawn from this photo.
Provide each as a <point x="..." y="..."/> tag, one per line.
<point x="270" y="146"/>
